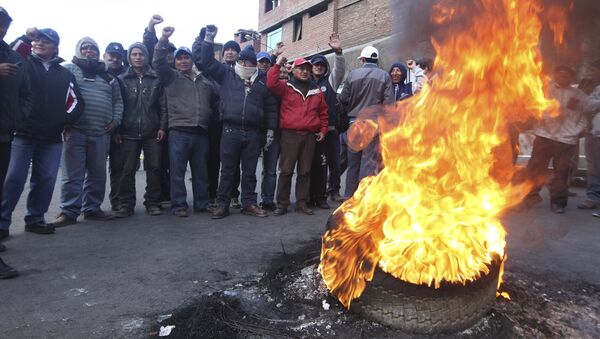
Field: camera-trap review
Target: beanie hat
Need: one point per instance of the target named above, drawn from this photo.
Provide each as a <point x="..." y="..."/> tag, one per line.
<point x="248" y="54"/>
<point x="183" y="49"/>
<point x="231" y="44"/>
<point x="83" y="42"/>
<point x="140" y="46"/>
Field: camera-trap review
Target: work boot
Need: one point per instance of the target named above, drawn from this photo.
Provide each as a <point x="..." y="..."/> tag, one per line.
<point x="182" y="213"/>
<point x="99" y="215"/>
<point x="63" y="220"/>
<point x="153" y="210"/>
<point x="304" y="209"/>
<point x="588" y="204"/>
<point x="40" y="228"/>
<point x="220" y="212"/>
<point x="124" y="212"/>
<point x="280" y="211"/>
<point x="254" y="211"/>
<point x="7" y="271"/>
<point x="269" y="206"/>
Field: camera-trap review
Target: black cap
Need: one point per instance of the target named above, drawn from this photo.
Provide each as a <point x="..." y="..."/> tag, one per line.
<point x="4" y="13"/>
<point x="117" y="48"/>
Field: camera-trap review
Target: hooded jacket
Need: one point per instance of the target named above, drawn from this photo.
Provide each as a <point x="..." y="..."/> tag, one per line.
<point x="145" y="104"/>
<point x="15" y="93"/>
<point x="366" y="86"/>
<point x="255" y="108"/>
<point x="190" y="101"/>
<point x="57" y="101"/>
<point x="299" y="112"/>
<point x="329" y="83"/>
<point x="402" y="90"/>
<point x="101" y="92"/>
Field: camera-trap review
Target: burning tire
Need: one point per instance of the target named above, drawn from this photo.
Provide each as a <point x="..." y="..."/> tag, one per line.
<point x="421" y="309"/>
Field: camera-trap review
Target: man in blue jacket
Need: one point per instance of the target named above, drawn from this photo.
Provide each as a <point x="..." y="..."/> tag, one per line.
<point x="57" y="103"/>
<point x="247" y="109"/>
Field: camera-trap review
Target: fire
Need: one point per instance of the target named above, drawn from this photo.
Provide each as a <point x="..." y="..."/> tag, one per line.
<point x="432" y="215"/>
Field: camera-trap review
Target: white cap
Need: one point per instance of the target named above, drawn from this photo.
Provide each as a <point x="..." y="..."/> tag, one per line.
<point x="369" y="52"/>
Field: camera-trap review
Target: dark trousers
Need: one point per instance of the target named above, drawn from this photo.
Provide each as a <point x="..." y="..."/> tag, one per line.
<point x="187" y="147"/>
<point x="296" y="148"/>
<point x="561" y="154"/>
<point x="131" y="153"/>
<point x="318" y="173"/>
<point x="269" y="173"/>
<point x="332" y="152"/>
<point x="4" y="160"/>
<point x="115" y="169"/>
<point x="165" y="173"/>
<point x="214" y="159"/>
<point x="239" y="146"/>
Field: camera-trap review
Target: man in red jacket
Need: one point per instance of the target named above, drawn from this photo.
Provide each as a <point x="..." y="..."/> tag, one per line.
<point x="303" y="122"/>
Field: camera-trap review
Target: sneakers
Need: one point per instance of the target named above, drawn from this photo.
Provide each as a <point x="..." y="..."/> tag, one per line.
<point x="6" y="271"/>
<point x="220" y="212"/>
<point x="181" y="213"/>
<point x="336" y="197"/>
<point x="124" y="212"/>
<point x="269" y="206"/>
<point x="235" y="203"/>
<point x="40" y="228"/>
<point x="99" y="215"/>
<point x="63" y="220"/>
<point x="154" y="210"/>
<point x="4" y="234"/>
<point x="588" y="204"/>
<point x="557" y="209"/>
<point x="254" y="211"/>
<point x="304" y="209"/>
<point x="280" y="211"/>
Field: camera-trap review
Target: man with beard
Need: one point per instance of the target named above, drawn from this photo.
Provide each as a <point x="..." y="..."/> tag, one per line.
<point x="37" y="143"/>
<point x="87" y="142"/>
<point x="247" y="108"/>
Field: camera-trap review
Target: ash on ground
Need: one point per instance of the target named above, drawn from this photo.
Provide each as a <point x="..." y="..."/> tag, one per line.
<point x="292" y="301"/>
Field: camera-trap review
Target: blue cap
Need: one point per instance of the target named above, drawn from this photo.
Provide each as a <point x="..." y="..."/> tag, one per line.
<point x="248" y="54"/>
<point x="50" y="34"/>
<point x="117" y="48"/>
<point x="183" y="49"/>
<point x="4" y="13"/>
<point x="263" y="55"/>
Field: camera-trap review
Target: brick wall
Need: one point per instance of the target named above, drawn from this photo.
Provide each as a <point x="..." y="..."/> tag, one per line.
<point x="287" y="9"/>
<point x="362" y="21"/>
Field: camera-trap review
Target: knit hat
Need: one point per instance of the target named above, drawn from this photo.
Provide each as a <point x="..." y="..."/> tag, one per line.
<point x="140" y="46"/>
<point x="85" y="41"/>
<point x="248" y="54"/>
<point x="116" y="48"/>
<point x="183" y="49"/>
<point x="4" y="13"/>
<point x="50" y="34"/>
<point x="231" y="44"/>
<point x="263" y="55"/>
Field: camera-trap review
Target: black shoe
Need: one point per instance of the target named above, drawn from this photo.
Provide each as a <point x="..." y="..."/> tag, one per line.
<point x="280" y="211"/>
<point x="40" y="228"/>
<point x="4" y="234"/>
<point x="268" y="206"/>
<point x="7" y="271"/>
<point x="124" y="212"/>
<point x="2" y="247"/>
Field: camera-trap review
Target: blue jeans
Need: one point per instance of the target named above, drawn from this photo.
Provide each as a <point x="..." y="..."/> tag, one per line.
<point x="269" y="173"/>
<point x="83" y="173"/>
<point x="187" y="147"/>
<point x="592" y="156"/>
<point x="239" y="146"/>
<point x="44" y="158"/>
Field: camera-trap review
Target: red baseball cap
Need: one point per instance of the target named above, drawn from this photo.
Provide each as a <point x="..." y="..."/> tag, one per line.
<point x="301" y="61"/>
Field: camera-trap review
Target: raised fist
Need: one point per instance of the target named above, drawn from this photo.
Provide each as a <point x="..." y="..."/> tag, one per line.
<point x="211" y="33"/>
<point x="167" y="32"/>
<point x="155" y="20"/>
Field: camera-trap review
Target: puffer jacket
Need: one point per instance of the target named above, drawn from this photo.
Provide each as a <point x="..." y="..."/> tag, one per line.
<point x="190" y="101"/>
<point x="253" y="109"/>
<point x="145" y="105"/>
<point x="15" y="93"/>
<point x="298" y="112"/>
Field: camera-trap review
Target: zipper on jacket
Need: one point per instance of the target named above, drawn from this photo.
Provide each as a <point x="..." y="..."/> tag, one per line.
<point x="140" y="92"/>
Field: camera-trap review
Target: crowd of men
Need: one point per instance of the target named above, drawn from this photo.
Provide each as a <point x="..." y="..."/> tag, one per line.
<point x="181" y="107"/>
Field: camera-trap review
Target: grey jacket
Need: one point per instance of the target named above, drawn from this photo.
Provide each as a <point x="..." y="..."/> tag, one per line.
<point x="189" y="100"/>
<point x="364" y="87"/>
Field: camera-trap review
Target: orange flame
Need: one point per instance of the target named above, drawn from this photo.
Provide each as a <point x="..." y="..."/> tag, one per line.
<point x="432" y="214"/>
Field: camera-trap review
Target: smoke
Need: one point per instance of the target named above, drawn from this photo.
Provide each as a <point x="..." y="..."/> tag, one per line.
<point x="414" y="29"/>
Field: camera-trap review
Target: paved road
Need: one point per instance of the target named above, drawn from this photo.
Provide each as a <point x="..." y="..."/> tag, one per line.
<point x="113" y="279"/>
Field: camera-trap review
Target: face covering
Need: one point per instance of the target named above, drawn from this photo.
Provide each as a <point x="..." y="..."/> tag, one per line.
<point x="244" y="72"/>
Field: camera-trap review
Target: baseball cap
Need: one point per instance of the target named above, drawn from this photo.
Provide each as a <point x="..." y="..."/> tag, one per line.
<point x="50" y="34"/>
<point x="4" y="13"/>
<point x="301" y="61"/>
<point x="369" y="52"/>
<point x="183" y="49"/>
<point x="117" y="48"/>
<point x="263" y="55"/>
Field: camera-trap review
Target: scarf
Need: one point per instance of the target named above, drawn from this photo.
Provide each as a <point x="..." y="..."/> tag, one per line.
<point x="92" y="67"/>
<point x="246" y="74"/>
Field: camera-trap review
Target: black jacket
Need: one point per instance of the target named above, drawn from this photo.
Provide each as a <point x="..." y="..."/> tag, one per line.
<point x="145" y="105"/>
<point x="253" y="109"/>
<point x="57" y="102"/>
<point x="330" y="95"/>
<point x="15" y="93"/>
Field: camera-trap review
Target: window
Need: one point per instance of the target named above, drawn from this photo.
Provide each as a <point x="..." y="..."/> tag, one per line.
<point x="317" y="10"/>
<point x="270" y="4"/>
<point x="273" y="37"/>
<point x="297" y="29"/>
